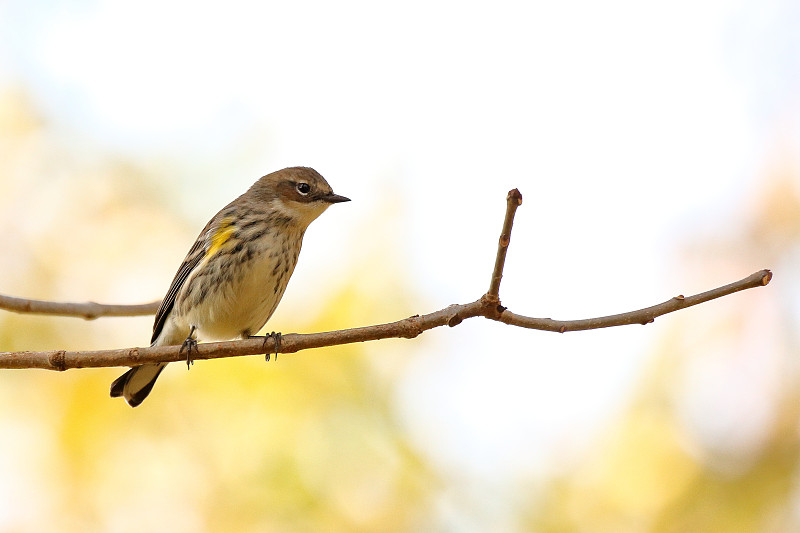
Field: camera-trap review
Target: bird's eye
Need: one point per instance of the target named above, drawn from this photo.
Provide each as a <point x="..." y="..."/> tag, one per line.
<point x="303" y="188"/>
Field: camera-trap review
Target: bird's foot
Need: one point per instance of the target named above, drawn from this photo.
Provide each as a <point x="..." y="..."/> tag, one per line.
<point x="277" y="338"/>
<point x="190" y="345"/>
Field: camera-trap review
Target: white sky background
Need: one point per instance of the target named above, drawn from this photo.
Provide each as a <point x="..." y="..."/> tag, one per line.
<point x="624" y="124"/>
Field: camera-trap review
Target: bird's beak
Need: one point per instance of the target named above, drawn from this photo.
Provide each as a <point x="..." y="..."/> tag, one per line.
<point x="334" y="198"/>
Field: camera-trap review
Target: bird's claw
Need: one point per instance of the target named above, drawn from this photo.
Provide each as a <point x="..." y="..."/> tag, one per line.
<point x="277" y="338"/>
<point x="190" y="344"/>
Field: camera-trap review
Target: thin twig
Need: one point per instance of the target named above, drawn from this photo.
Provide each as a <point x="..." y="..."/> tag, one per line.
<point x="87" y="310"/>
<point x="513" y="200"/>
<point x="641" y="316"/>
<point x="488" y="306"/>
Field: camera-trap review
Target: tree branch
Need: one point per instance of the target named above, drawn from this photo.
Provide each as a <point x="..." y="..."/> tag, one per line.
<point x="641" y="316"/>
<point x="513" y="200"/>
<point x="87" y="310"/>
<point x="488" y="306"/>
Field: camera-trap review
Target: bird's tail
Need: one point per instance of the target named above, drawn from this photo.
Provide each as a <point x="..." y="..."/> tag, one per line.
<point x="135" y="384"/>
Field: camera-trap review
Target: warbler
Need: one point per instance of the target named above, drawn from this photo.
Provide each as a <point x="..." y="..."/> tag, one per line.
<point x="236" y="271"/>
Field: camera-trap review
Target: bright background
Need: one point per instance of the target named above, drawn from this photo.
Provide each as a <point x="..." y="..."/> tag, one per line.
<point x="657" y="147"/>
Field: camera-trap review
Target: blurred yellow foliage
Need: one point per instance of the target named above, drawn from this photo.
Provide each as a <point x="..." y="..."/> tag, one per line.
<point x="307" y="443"/>
<point x="314" y="442"/>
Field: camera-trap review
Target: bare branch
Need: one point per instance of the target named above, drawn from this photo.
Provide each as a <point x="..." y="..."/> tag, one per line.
<point x="642" y="316"/>
<point x="488" y="306"/>
<point x="407" y="328"/>
<point x="87" y="310"/>
<point x="290" y="343"/>
<point x="513" y="200"/>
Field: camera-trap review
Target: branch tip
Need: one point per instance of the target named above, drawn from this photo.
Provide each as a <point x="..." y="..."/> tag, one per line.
<point x="513" y="200"/>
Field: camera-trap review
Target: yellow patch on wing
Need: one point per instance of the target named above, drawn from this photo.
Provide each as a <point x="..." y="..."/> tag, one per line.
<point x="222" y="234"/>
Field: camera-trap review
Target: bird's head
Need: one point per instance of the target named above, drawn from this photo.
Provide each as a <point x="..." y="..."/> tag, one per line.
<point x="299" y="193"/>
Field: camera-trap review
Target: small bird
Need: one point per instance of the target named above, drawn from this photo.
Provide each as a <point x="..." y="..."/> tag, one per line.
<point x="235" y="274"/>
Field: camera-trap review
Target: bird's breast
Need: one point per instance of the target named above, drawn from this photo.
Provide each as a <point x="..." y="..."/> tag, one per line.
<point x="240" y="288"/>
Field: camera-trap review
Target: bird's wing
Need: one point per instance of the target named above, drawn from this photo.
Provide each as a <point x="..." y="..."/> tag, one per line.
<point x="210" y="241"/>
<point x="193" y="258"/>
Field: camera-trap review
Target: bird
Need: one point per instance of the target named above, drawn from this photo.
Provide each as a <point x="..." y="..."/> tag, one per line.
<point x="237" y="270"/>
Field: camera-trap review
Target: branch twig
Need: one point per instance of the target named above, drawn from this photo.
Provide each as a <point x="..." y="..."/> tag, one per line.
<point x="513" y="200"/>
<point x="87" y="310"/>
<point x="641" y="316"/>
<point x="488" y="306"/>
